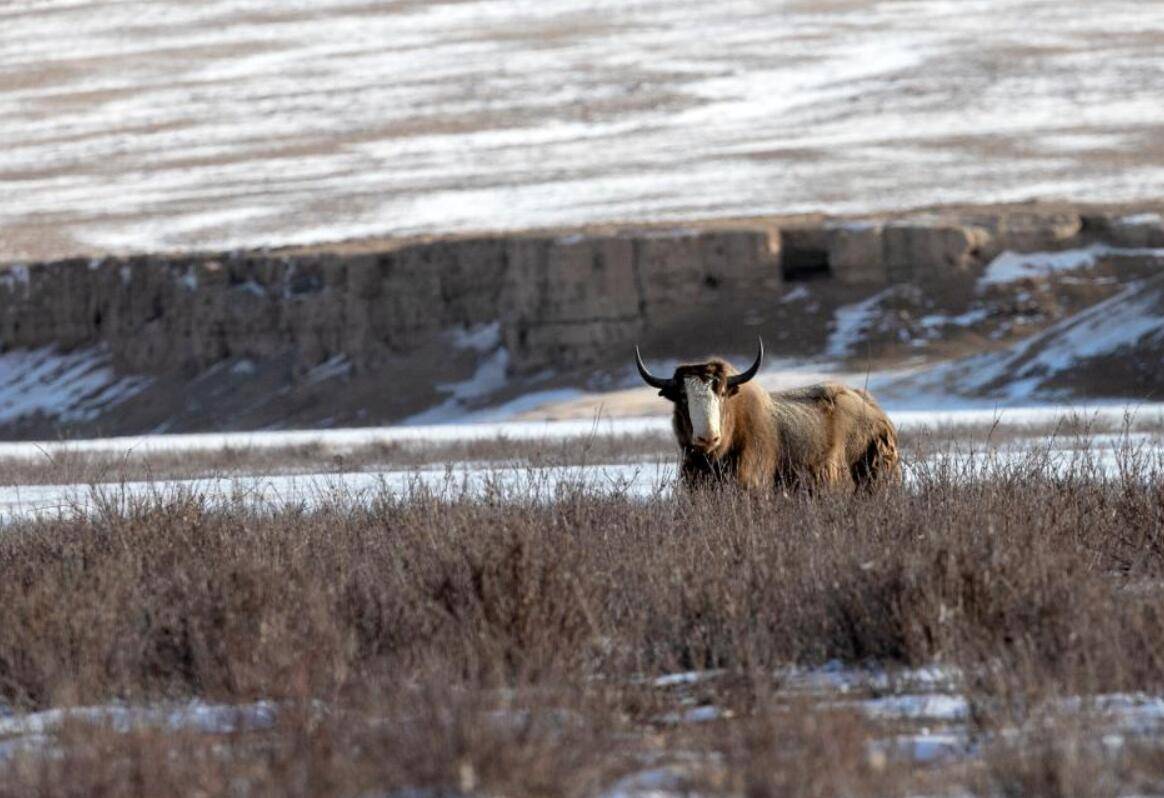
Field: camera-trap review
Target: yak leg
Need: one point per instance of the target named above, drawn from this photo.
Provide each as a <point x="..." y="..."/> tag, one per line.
<point x="833" y="473"/>
<point x="752" y="472"/>
<point x="881" y="462"/>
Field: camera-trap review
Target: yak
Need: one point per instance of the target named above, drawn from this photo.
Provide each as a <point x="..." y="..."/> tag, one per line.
<point x="732" y="431"/>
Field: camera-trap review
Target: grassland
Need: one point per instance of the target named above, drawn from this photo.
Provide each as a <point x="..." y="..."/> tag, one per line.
<point x="425" y="645"/>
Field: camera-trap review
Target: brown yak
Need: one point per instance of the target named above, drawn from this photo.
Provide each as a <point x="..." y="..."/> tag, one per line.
<point x="823" y="435"/>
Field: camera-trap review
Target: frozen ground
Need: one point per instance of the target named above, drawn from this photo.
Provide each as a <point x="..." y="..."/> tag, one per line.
<point x="343" y="440"/>
<point x="924" y="711"/>
<point x="69" y="386"/>
<point x="919" y="717"/>
<point x="654" y="476"/>
<point x="164" y="124"/>
<point x="502" y="482"/>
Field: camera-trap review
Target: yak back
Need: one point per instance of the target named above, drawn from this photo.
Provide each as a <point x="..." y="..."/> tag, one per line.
<point x="826" y="422"/>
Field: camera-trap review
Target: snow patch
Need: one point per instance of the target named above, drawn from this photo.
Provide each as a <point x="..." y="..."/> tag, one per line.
<point x="196" y="716"/>
<point x="686" y="678"/>
<point x="70" y="387"/>
<point x="928" y="746"/>
<point x="251" y="287"/>
<point x="837" y="677"/>
<point x="489" y="377"/>
<point x="14" y="276"/>
<point x="1011" y="266"/>
<point x="482" y="338"/>
<point x="797" y="294"/>
<point x="662" y="782"/>
<point x="849" y="324"/>
<point x="330" y="369"/>
<point x="935" y="321"/>
<point x="1017" y="373"/>
<point x="925" y="706"/>
<point x="1141" y="220"/>
<point x="243" y="368"/>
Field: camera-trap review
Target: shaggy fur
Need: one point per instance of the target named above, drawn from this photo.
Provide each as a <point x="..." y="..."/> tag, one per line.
<point x="825" y="435"/>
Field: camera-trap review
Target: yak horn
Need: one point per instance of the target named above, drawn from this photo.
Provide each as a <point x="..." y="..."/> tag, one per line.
<point x="740" y="379"/>
<point x="648" y="377"/>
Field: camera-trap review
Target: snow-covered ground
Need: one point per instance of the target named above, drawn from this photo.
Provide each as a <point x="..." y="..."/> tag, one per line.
<point x="68" y="386"/>
<point x="925" y="711"/>
<point x="1111" y="329"/>
<point x="1012" y="266"/>
<point x="350" y="488"/>
<point x="340" y="441"/>
<point x="1128" y="323"/>
<point x="919" y="716"/>
<point x="1108" y="452"/>
<point x="131" y="125"/>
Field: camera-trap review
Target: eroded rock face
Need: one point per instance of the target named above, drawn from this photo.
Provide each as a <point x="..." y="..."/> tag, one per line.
<point x="876" y="253"/>
<point x="569" y="300"/>
<point x="565" y="297"/>
<point x="555" y="303"/>
<point x="1022" y="231"/>
<point x="857" y="253"/>
<point x="558" y="300"/>
<point x="1129" y="231"/>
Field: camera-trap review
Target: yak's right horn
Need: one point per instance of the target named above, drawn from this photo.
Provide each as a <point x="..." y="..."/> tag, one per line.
<point x="648" y="377"/>
<point x="740" y="379"/>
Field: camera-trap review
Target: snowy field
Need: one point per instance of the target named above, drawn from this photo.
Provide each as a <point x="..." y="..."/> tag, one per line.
<point x="163" y="124"/>
<point x="644" y="477"/>
<point x="502" y="482"/>
<point x="344" y="440"/>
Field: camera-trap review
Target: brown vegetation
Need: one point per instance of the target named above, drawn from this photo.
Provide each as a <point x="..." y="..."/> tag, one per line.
<point x="468" y="646"/>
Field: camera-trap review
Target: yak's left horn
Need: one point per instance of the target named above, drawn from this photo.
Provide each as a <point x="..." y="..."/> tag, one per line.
<point x="648" y="377"/>
<point x="740" y="379"/>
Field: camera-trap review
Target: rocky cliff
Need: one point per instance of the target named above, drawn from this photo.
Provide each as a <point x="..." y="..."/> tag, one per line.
<point x="253" y="338"/>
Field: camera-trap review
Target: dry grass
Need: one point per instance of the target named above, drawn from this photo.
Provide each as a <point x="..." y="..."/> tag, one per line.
<point x="59" y="464"/>
<point x="1070" y="430"/>
<point x="507" y="648"/>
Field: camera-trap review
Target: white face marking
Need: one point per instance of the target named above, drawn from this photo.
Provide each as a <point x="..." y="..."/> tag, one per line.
<point x="702" y="408"/>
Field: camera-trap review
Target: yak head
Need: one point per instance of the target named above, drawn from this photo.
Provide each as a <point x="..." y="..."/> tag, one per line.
<point x="701" y="393"/>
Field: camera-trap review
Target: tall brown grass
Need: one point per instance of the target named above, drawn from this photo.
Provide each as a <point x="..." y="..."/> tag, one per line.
<point x="466" y="643"/>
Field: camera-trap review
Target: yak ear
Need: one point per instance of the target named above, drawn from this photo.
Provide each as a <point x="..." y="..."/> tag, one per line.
<point x="725" y="384"/>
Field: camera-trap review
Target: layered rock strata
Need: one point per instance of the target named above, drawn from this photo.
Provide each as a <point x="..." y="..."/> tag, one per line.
<point x="558" y="301"/>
